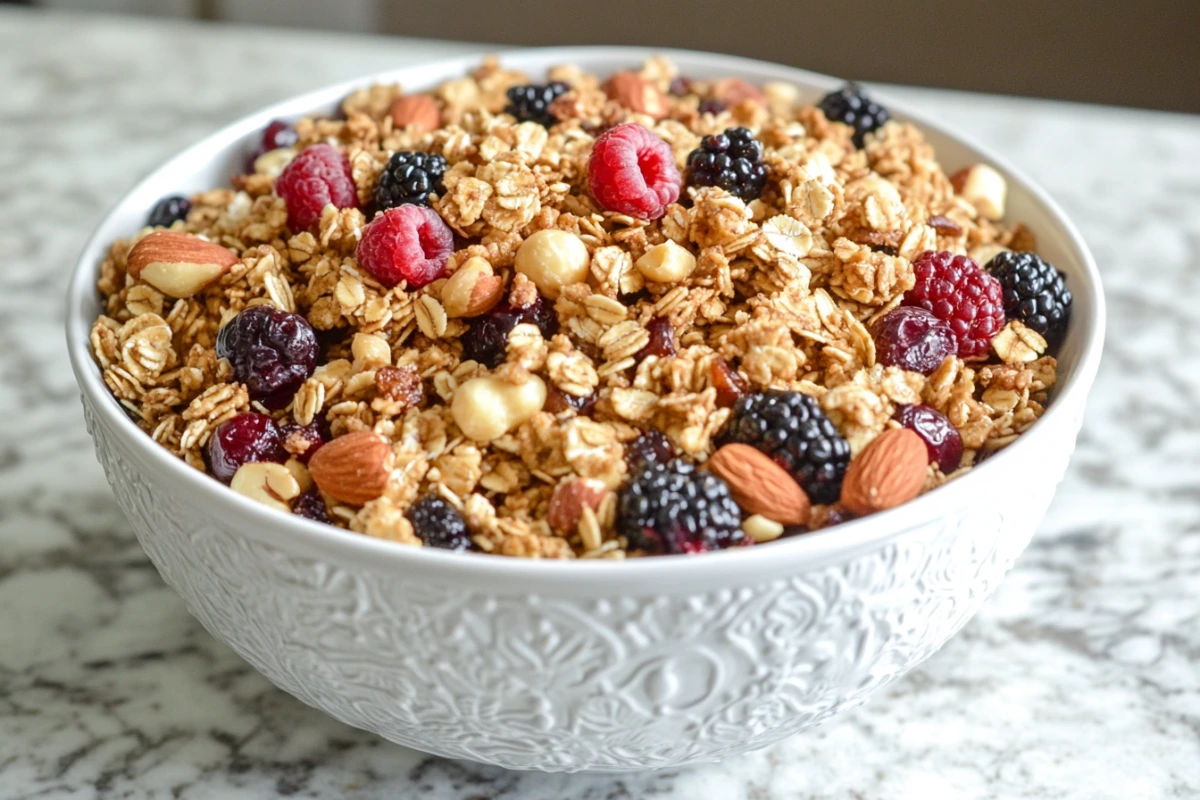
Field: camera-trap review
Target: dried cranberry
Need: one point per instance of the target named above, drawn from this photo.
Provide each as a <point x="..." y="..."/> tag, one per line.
<point x="302" y="440"/>
<point x="311" y="505"/>
<point x="241" y="440"/>
<point x="711" y="106"/>
<point x="277" y="134"/>
<point x="680" y="86"/>
<point x="558" y="401"/>
<point x="941" y="438"/>
<point x="271" y="351"/>
<point x="662" y="339"/>
<point x="486" y="341"/>
<point x="730" y="386"/>
<point x="913" y="339"/>
<point x="652" y="447"/>
<point x="402" y="385"/>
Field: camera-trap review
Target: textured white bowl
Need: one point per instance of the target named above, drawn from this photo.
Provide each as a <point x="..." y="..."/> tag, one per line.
<point x="568" y="666"/>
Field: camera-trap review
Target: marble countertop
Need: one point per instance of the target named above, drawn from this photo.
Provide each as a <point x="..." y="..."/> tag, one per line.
<point x="1079" y="679"/>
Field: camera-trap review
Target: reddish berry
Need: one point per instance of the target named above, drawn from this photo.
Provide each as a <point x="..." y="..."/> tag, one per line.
<point x="912" y="338"/>
<point x="632" y="171"/>
<point x="317" y="176"/>
<point x="311" y="505"/>
<point x="271" y="351"/>
<point x="302" y="441"/>
<point x="277" y="134"/>
<point x="240" y="440"/>
<point x="958" y="292"/>
<point x="941" y="438"/>
<point x="407" y="243"/>
<point x="662" y="339"/>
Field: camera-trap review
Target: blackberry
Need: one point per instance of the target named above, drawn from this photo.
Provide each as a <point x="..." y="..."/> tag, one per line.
<point x="851" y="106"/>
<point x="168" y="211"/>
<point x="673" y="508"/>
<point x="732" y="160"/>
<point x="438" y="524"/>
<point x="791" y="428"/>
<point x="1034" y="292"/>
<point x="531" y="103"/>
<point x="409" y="178"/>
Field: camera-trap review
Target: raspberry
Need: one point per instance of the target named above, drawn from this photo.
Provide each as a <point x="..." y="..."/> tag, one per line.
<point x="962" y="295"/>
<point x="240" y="440"/>
<point x="486" y="341"/>
<point x="652" y="447"/>
<point x="1034" y="292"/>
<point x="673" y="508"/>
<point x="271" y="351"/>
<point x="408" y="178"/>
<point x="407" y="243"/>
<point x="632" y="171"/>
<point x="912" y="338"/>
<point x="852" y="107"/>
<point x="942" y="439"/>
<point x="531" y="103"/>
<point x="732" y="161"/>
<point x="311" y="505"/>
<point x="277" y="134"/>
<point x="317" y="176"/>
<point x="168" y="211"/>
<point x="438" y="524"/>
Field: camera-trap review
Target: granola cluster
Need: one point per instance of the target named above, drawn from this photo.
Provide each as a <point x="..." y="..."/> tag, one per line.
<point x="776" y="293"/>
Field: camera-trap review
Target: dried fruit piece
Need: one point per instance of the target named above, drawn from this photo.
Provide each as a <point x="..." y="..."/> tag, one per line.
<point x="945" y="226"/>
<point x="438" y="524"/>
<point x="912" y="338"/>
<point x="353" y="468"/>
<point x="941" y="438"/>
<point x="302" y="441"/>
<point x="759" y="485"/>
<point x="652" y="447"/>
<point x="311" y="505"/>
<point x="271" y="351"/>
<point x="486" y="341"/>
<point x="241" y="440"/>
<point x="889" y="471"/>
<point x="662" y="339"/>
<point x="632" y="171"/>
<point x="168" y="211"/>
<point x="729" y="384"/>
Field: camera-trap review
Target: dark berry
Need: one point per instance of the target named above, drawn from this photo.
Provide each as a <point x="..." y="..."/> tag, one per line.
<point x="531" y="103"/>
<point x="792" y="429"/>
<point x="674" y="508"/>
<point x="732" y="160"/>
<point x="438" y="524"/>
<point x="302" y="440"/>
<point x="409" y="178"/>
<point x="632" y="171"/>
<point x="277" y="134"/>
<point x="941" y="438"/>
<point x="961" y="294"/>
<point x="240" y="440"/>
<point x="486" y="341"/>
<point x="1034" y="292"/>
<point x="652" y="447"/>
<point x="680" y="86"/>
<point x="558" y="401"/>
<point x="406" y="243"/>
<point x="851" y="106"/>
<point x="319" y="175"/>
<point x="271" y="351"/>
<point x="912" y="338"/>
<point x="168" y="211"/>
<point x="311" y="505"/>
<point x="662" y="339"/>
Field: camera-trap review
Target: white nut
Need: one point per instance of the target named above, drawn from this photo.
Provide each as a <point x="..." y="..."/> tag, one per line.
<point x="271" y="484"/>
<point x="666" y="263"/>
<point x="487" y="408"/>
<point x="370" y="352"/>
<point x="985" y="188"/>
<point x="553" y="259"/>
<point x="272" y="162"/>
<point x="761" y="529"/>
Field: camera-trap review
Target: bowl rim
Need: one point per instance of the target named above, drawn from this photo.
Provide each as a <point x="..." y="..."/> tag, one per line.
<point x="810" y="549"/>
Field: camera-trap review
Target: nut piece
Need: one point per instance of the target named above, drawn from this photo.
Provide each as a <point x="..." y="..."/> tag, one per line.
<point x="553" y="259"/>
<point x="487" y="408"/>
<point x="666" y="263"/>
<point x="985" y="188"/>
<point x="889" y="471"/>
<point x="637" y="94"/>
<point x="272" y="162"/>
<point x="761" y="529"/>
<point x="419" y="110"/>
<point x="759" y="485"/>
<point x="472" y="290"/>
<point x="178" y="264"/>
<point x="353" y="468"/>
<point x="732" y="91"/>
<point x="271" y="484"/>
<point x="568" y="500"/>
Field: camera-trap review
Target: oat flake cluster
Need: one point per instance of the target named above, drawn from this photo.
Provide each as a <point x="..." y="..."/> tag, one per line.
<point x="629" y="368"/>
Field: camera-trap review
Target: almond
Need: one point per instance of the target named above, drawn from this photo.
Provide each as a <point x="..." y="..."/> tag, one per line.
<point x="759" y="485"/>
<point x="178" y="264"/>
<point x="419" y="110"/>
<point x="353" y="468"/>
<point x="637" y="94"/>
<point x="732" y="91"/>
<point x="569" y="499"/>
<point x="889" y="471"/>
<point x="472" y="290"/>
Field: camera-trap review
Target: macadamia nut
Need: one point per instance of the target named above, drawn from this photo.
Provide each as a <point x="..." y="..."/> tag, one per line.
<point x="553" y="259"/>
<point x="666" y="263"/>
<point x="487" y="408"/>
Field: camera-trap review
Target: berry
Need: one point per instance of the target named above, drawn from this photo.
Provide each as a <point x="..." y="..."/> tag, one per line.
<point x="406" y="243"/>
<point x="941" y="438"/>
<point x="662" y="339"/>
<point x="632" y="171"/>
<point x="912" y="338"/>
<point x="652" y="447"/>
<point x="486" y="341"/>
<point x="277" y="134"/>
<point x="558" y="401"/>
<point x="962" y="295"/>
<point x="792" y="429"/>
<point x="732" y="160"/>
<point x="851" y="106"/>
<point x="711" y="106"/>
<point x="408" y="178"/>
<point x="531" y="103"/>
<point x="302" y="441"/>
<point x="730" y="385"/>
<point x="168" y="211"/>
<point x="1034" y="292"/>
<point x="271" y="351"/>
<point x="673" y="508"/>
<point x="311" y="505"/>
<point x="438" y="524"/>
<point x="240" y="440"/>
<point x="317" y="176"/>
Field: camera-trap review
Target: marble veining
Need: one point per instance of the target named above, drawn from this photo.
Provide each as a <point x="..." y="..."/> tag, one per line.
<point x="1079" y="679"/>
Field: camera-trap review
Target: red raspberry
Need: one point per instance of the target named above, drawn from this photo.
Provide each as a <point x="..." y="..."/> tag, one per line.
<point x="318" y="175"/>
<point x="633" y="172"/>
<point x="958" y="292"/>
<point x="406" y="243"/>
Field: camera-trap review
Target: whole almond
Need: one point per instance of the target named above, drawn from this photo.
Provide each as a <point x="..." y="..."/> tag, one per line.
<point x="759" y="485"/>
<point x="353" y="468"/>
<point x="732" y="91"/>
<point x="178" y="264"/>
<point x="419" y="110"/>
<point x="637" y="94"/>
<point x="472" y="290"/>
<point x="568" y="500"/>
<point x="889" y="471"/>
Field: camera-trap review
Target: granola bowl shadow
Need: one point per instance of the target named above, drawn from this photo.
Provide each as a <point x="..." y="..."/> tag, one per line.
<point x="565" y="666"/>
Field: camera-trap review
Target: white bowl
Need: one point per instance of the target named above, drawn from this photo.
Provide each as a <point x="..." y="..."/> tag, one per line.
<point x="568" y="666"/>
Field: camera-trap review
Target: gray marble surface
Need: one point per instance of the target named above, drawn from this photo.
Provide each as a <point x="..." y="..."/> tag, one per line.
<point x="1080" y="678"/>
